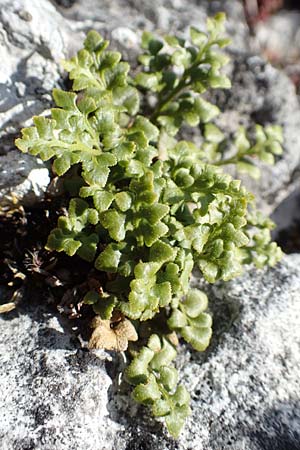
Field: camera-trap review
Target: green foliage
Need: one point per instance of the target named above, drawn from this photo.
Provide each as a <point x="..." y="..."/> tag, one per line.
<point x="156" y="383"/>
<point x="179" y="71"/>
<point x="150" y="207"/>
<point x="190" y="320"/>
<point x="264" y="148"/>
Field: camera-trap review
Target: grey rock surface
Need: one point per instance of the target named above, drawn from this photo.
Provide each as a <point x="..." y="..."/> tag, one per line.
<point x="34" y="37"/>
<point x="32" y="44"/>
<point x="262" y="94"/>
<point x="23" y="179"/>
<point x="172" y="16"/>
<point x="245" y="388"/>
<point x="54" y="395"/>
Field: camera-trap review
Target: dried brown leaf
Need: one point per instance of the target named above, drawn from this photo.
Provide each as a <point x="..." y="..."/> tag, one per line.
<point x="116" y="338"/>
<point x="125" y="328"/>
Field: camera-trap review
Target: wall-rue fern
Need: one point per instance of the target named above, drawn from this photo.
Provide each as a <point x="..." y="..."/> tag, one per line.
<point x="149" y="207"/>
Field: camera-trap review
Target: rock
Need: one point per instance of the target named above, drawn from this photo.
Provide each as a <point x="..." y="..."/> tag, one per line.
<point x="171" y="16"/>
<point x="125" y="37"/>
<point x="54" y="393"/>
<point x="262" y="94"/>
<point x="34" y="38"/>
<point x="24" y="179"/>
<point x="288" y="212"/>
<point x="245" y="388"/>
<point x="65" y="3"/>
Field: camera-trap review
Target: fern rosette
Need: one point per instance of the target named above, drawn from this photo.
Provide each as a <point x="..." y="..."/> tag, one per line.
<point x="150" y="206"/>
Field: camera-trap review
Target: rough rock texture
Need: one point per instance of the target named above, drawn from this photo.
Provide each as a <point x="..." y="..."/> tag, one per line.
<point x="23" y="178"/>
<point x="31" y="46"/>
<point x="262" y="94"/>
<point x="54" y="395"/>
<point x="161" y="15"/>
<point x="245" y="389"/>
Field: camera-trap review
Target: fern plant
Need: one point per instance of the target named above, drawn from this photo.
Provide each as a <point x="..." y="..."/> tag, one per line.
<point x="148" y="207"/>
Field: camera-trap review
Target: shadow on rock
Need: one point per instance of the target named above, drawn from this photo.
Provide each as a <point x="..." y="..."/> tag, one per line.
<point x="287" y="218"/>
<point x="276" y="431"/>
<point x="141" y="439"/>
<point x="34" y="305"/>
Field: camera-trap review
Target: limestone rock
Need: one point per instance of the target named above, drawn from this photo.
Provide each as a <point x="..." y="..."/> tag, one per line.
<point x="24" y="179"/>
<point x="54" y="394"/>
<point x="264" y="95"/>
<point x="31" y="45"/>
<point x="171" y="16"/>
<point x="33" y="40"/>
<point x="245" y="388"/>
